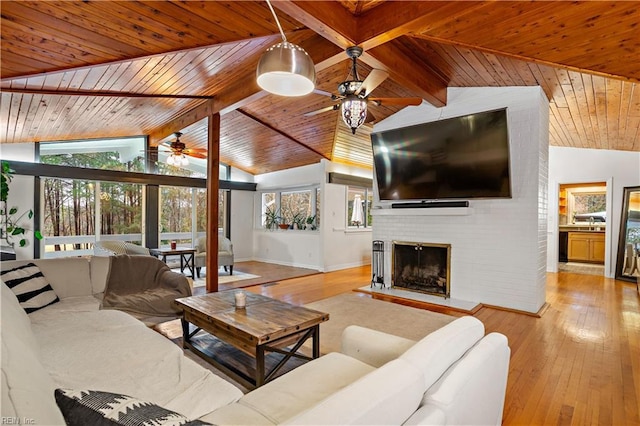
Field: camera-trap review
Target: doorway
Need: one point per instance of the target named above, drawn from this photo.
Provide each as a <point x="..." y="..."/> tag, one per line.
<point x="582" y="221"/>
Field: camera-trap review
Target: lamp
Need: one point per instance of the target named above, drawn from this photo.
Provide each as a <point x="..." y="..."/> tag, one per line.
<point x="177" y="160"/>
<point x="285" y="69"/>
<point x="354" y="111"/>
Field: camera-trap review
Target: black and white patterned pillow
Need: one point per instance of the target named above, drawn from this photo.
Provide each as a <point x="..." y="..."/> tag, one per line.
<point x="30" y="287"/>
<point x="96" y="408"/>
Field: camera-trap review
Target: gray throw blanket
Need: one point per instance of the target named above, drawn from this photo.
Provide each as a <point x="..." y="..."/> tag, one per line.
<point x="144" y="286"/>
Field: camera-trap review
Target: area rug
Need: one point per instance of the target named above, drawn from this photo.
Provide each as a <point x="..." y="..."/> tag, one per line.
<point x="352" y="308"/>
<point x="357" y="309"/>
<point x="226" y="279"/>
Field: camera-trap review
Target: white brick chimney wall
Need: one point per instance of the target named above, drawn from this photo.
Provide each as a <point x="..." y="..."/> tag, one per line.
<point x="498" y="247"/>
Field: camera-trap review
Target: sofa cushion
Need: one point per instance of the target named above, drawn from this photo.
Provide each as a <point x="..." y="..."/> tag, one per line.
<point x="99" y="271"/>
<point x="64" y="307"/>
<point x="386" y="396"/>
<point x="27" y="388"/>
<point x="434" y="353"/>
<point x="82" y="350"/>
<point x="30" y="287"/>
<point x="300" y="388"/>
<point x="69" y="276"/>
<point x="15" y="320"/>
<point x="88" y="407"/>
<point x="372" y="346"/>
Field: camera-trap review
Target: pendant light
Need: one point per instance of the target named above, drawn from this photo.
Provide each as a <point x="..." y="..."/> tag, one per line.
<point x="285" y="69"/>
<point x="354" y="112"/>
<point x="353" y="107"/>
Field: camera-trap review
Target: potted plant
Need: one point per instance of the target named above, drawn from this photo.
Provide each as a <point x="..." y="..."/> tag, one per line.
<point x="272" y="218"/>
<point x="11" y="230"/>
<point x="299" y="220"/>
<point x="310" y="223"/>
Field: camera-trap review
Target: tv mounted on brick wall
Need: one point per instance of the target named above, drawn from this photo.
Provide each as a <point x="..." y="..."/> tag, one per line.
<point x="455" y="158"/>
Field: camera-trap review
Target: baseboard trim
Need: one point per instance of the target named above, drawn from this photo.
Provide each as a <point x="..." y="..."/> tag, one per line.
<point x="538" y="314"/>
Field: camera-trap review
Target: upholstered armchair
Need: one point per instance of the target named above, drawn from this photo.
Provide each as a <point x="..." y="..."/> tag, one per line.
<point x="112" y="248"/>
<point x="225" y="254"/>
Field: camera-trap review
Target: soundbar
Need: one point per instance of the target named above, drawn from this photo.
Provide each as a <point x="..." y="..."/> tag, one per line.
<point x="430" y="204"/>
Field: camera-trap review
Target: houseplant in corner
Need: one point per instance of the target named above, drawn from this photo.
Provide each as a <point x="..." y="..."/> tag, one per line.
<point x="11" y="230"/>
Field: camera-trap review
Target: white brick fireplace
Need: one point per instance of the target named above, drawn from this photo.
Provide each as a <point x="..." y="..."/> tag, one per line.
<point x="498" y="247"/>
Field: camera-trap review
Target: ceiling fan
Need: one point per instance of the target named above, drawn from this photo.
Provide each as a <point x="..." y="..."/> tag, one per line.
<point x="354" y="95"/>
<point x="179" y="152"/>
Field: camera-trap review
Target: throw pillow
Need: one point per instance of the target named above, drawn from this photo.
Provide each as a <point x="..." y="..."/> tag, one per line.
<point x="96" y="408"/>
<point x="30" y="287"/>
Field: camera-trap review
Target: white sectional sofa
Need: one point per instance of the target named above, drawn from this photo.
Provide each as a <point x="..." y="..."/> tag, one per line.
<point x="456" y="375"/>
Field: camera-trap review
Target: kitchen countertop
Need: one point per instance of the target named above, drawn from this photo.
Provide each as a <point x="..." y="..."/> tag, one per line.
<point x="582" y="228"/>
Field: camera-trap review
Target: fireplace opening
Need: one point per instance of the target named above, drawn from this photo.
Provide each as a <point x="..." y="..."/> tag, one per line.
<point x="422" y="267"/>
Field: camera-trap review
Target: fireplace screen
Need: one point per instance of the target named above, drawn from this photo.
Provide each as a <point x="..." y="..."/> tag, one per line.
<point x="421" y="267"/>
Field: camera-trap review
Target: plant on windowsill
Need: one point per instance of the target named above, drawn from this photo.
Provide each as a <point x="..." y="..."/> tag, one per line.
<point x="11" y="230"/>
<point x="310" y="223"/>
<point x="272" y="218"/>
<point x="299" y="220"/>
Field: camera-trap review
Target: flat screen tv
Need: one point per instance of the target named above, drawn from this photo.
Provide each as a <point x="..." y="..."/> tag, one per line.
<point x="456" y="158"/>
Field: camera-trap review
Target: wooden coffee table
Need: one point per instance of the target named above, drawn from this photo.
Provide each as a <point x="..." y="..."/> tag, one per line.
<point x="265" y="328"/>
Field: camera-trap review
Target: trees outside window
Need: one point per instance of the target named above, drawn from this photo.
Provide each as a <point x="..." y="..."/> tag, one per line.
<point x="300" y="209"/>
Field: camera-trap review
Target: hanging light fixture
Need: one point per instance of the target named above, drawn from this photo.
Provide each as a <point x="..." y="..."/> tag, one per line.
<point x="177" y="160"/>
<point x="285" y="69"/>
<point x="177" y="157"/>
<point x="354" y="105"/>
<point x="354" y="112"/>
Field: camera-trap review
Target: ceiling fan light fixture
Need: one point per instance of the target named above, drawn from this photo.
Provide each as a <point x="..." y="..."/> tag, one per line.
<point x="286" y="69"/>
<point x="177" y="160"/>
<point x="354" y="112"/>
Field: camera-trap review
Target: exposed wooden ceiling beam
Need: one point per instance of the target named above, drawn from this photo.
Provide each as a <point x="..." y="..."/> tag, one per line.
<point x="99" y="93"/>
<point x="408" y="71"/>
<point x="337" y="25"/>
<point x="327" y="18"/>
<point x="196" y="114"/>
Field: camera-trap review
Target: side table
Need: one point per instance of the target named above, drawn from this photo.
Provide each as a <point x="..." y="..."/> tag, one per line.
<point x="187" y="256"/>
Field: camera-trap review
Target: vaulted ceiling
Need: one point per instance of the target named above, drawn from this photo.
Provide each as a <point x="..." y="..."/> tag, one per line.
<point x="93" y="69"/>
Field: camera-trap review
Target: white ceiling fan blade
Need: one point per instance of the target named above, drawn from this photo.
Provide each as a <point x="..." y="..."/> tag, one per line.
<point x="321" y="110"/>
<point x="373" y="80"/>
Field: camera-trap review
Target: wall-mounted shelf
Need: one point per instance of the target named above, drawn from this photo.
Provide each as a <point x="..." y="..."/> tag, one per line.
<point x="434" y="211"/>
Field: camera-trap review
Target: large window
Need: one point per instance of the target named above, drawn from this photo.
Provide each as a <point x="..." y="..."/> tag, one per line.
<point x="359" y="202"/>
<point x="126" y="154"/>
<point x="77" y="212"/>
<point x="291" y="209"/>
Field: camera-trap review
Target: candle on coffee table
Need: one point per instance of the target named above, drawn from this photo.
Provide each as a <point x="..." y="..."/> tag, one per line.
<point x="241" y="299"/>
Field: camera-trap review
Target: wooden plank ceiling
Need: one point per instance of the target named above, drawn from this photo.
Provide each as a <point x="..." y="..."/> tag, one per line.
<point x="82" y="70"/>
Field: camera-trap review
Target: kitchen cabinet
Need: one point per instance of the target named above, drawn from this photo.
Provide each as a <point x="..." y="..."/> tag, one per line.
<point x="586" y="247"/>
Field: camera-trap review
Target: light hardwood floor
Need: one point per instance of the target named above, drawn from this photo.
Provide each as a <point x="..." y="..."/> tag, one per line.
<point x="578" y="364"/>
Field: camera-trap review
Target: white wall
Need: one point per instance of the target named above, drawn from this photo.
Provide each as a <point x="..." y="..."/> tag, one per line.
<point x="498" y="249"/>
<point x="21" y="191"/>
<point x="330" y="248"/>
<point x="577" y="165"/>
<point x="242" y="224"/>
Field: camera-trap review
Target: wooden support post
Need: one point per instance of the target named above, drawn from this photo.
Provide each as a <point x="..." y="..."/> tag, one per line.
<point x="213" y="185"/>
